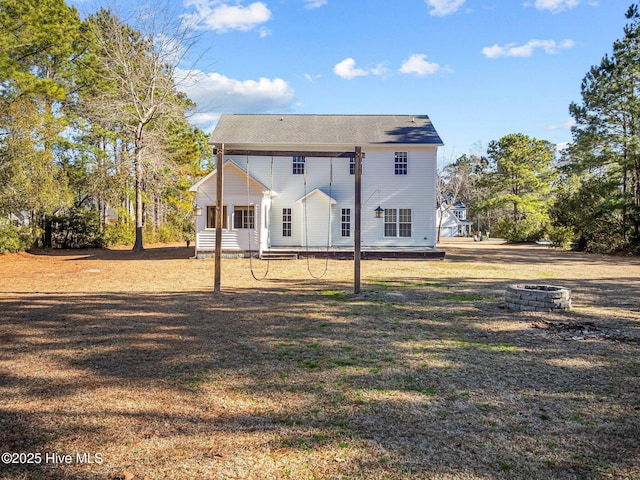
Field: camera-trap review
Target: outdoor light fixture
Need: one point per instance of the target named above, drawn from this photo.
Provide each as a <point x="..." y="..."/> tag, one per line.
<point x="379" y="212"/>
<point x="198" y="210"/>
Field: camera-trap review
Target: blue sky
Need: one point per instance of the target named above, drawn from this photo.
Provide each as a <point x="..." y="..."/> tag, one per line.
<point x="481" y="69"/>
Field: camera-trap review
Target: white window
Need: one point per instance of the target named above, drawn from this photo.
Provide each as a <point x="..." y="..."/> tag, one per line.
<point x="404" y="222"/>
<point x="244" y="217"/>
<point x="298" y="165"/>
<point x="211" y="216"/>
<point x="390" y="222"/>
<point x="401" y="163"/>
<point x="352" y="166"/>
<point x="346" y="222"/>
<point x="286" y="222"/>
<point x="397" y="222"/>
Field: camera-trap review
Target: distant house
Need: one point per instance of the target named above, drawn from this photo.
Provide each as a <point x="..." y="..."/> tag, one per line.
<point x="21" y="218"/>
<point x="454" y="220"/>
<point x="296" y="202"/>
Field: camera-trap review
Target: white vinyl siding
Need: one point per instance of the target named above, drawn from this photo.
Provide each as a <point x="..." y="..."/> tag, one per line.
<point x="316" y="221"/>
<point x="235" y="194"/>
<point x="380" y="186"/>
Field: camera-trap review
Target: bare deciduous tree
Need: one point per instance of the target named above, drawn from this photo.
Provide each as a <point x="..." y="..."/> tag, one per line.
<point x="453" y="183"/>
<point x="140" y="61"/>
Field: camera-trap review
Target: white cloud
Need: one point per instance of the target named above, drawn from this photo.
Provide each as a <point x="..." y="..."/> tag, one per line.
<point x="444" y="7"/>
<point x="563" y="126"/>
<point x="314" y="3"/>
<point x="526" y="50"/>
<point x="220" y="16"/>
<point x="347" y="69"/>
<point x="380" y="69"/>
<point x="311" y="78"/>
<point x="554" y="6"/>
<point x="214" y="93"/>
<point x="418" y="65"/>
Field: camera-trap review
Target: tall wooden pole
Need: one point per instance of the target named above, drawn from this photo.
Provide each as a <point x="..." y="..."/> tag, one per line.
<point x="219" y="215"/>
<point x="357" y="221"/>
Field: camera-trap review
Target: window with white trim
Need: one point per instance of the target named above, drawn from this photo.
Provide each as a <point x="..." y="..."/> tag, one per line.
<point x="286" y="222"/>
<point x="397" y="222"/>
<point x="390" y="222"/>
<point x="401" y="163"/>
<point x="211" y="216"/>
<point x="298" y="165"/>
<point x="352" y="166"/>
<point x="244" y="217"/>
<point x="404" y="222"/>
<point x="346" y="222"/>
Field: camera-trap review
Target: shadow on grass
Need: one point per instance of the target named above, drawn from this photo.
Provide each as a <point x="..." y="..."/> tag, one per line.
<point x="526" y="253"/>
<point x="413" y="379"/>
<point x="153" y="253"/>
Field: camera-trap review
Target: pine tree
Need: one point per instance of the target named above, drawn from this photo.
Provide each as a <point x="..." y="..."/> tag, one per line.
<point x="520" y="179"/>
<point x="39" y="41"/>
<point x="605" y="155"/>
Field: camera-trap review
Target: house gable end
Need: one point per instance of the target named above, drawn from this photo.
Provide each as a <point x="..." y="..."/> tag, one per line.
<point x="234" y="167"/>
<point x="317" y="191"/>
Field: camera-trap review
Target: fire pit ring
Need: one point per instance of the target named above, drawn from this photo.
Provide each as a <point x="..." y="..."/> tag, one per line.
<point x="537" y="298"/>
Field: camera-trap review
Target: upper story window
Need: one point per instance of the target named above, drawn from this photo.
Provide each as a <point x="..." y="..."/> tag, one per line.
<point x="298" y="165"/>
<point x="352" y="166"/>
<point x="401" y="163"/>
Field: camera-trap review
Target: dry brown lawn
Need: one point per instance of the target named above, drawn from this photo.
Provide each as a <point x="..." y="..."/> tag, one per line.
<point x="131" y="362"/>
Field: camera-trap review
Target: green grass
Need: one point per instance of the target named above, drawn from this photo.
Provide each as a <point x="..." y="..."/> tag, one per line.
<point x="338" y="295"/>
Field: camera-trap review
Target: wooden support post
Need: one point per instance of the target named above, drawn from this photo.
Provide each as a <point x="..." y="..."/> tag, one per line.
<point x="219" y="214"/>
<point x="357" y="220"/>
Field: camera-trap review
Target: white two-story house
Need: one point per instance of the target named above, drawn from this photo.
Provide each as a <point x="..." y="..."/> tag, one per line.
<point x="297" y="202"/>
<point x="452" y="218"/>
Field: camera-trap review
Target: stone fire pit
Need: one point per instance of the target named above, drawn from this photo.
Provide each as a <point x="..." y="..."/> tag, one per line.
<point x="537" y="298"/>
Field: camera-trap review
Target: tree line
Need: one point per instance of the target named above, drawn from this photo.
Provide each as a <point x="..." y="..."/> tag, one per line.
<point x="586" y="195"/>
<point x="96" y="147"/>
<point x="95" y="144"/>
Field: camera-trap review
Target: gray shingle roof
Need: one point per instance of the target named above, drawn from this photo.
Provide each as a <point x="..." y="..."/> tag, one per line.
<point x="346" y="130"/>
